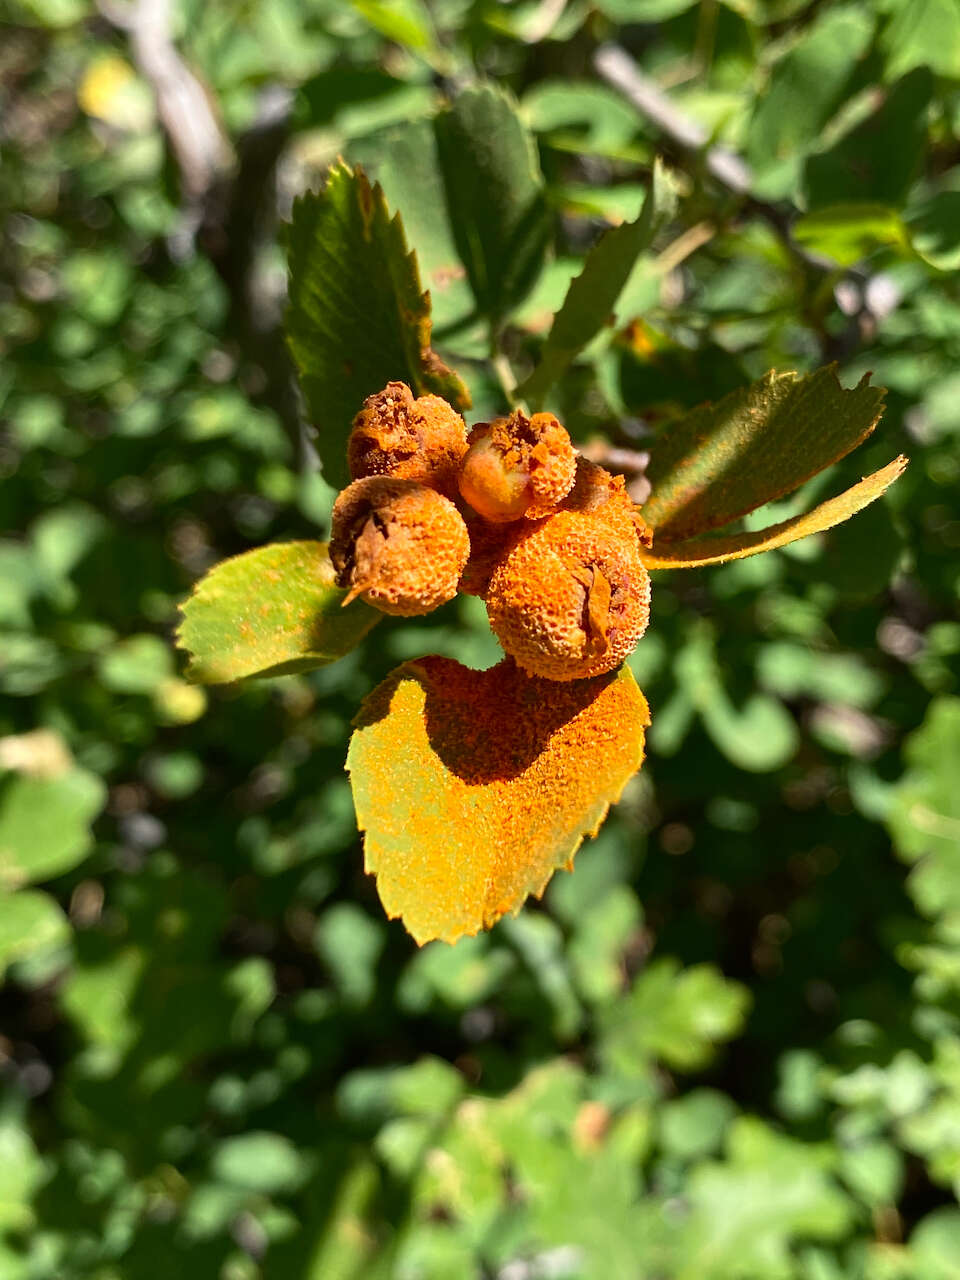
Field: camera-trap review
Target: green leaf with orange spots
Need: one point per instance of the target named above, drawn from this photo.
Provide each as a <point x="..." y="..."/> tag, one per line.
<point x="753" y="446"/>
<point x="270" y="612"/>
<point x="735" y="546"/>
<point x="473" y="787"/>
<point x="357" y="316"/>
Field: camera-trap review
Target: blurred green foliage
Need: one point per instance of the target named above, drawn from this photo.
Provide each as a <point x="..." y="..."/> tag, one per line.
<point x="728" y="1045"/>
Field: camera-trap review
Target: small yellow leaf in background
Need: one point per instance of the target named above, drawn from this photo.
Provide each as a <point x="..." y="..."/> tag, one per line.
<point x="473" y="787"/>
<point x="113" y="92"/>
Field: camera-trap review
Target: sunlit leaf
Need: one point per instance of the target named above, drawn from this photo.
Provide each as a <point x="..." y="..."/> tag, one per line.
<point x="357" y="315"/>
<point x="756" y="444"/>
<point x="45" y="824"/>
<point x="407" y="23"/>
<point x="923" y="33"/>
<point x="848" y="232"/>
<point x="678" y="1015"/>
<point x="474" y="786"/>
<point x="592" y="295"/>
<point x="29" y="921"/>
<point x="734" y="546"/>
<point x="271" y="611"/>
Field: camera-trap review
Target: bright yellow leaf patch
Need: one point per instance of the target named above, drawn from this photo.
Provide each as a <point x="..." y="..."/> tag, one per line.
<point x="473" y="787"/>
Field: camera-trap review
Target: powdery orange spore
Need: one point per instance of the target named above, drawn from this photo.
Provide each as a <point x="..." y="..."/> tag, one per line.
<point x="517" y="467"/>
<point x="571" y="598"/>
<point x="474" y="786"/>
<point x="489" y="543"/>
<point x="408" y="439"/>
<point x="604" y="497"/>
<point x="398" y="544"/>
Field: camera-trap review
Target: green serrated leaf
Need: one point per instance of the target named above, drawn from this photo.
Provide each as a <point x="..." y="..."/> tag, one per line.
<point x="592" y="295"/>
<point x="270" y="612"/>
<point x="357" y="316"/>
<point x="404" y="161"/>
<point x="495" y="195"/>
<point x="45" y="824"/>
<point x="878" y="160"/>
<point x="407" y="22"/>
<point x="474" y="786"/>
<point x="30" y="921"/>
<point x="756" y="444"/>
<point x="923" y="33"/>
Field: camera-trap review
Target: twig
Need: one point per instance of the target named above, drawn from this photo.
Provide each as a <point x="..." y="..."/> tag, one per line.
<point x="197" y="139"/>
<point x="229" y="199"/>
<point x="621" y="72"/>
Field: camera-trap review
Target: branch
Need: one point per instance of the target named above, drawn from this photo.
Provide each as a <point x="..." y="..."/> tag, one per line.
<point x="193" y="129"/>
<point x="621" y="72"/>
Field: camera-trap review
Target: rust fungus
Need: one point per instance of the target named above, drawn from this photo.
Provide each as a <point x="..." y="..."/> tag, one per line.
<point x="571" y="598"/>
<point x="399" y="544"/>
<point x="489" y="543"/>
<point x="517" y="467"/>
<point x="396" y="435"/>
<point x="473" y="787"/>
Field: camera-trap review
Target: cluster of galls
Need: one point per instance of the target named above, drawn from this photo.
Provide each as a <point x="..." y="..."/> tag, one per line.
<point x="510" y="513"/>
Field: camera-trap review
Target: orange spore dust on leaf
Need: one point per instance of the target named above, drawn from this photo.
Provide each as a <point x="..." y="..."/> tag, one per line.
<point x="517" y="467"/>
<point x="408" y="439"/>
<point x="571" y="598"/>
<point x="473" y="787"/>
<point x="398" y="544"/>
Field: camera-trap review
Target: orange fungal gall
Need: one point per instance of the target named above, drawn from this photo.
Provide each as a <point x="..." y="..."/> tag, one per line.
<point x="408" y="439"/>
<point x="399" y="544"/>
<point x="517" y="467"/>
<point x="571" y="598"/>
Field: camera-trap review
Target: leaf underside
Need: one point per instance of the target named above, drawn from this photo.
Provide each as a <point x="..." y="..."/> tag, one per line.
<point x="473" y="787"/>
<point x="755" y="445"/>
<point x="735" y="546"/>
<point x="357" y="316"/>
<point x="271" y="611"/>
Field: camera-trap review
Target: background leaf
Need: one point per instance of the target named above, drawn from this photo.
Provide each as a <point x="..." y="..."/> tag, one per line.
<point x="592" y="295"/>
<point x="495" y="196"/>
<point x="357" y="316"/>
<point x="30" y="921"/>
<point x="45" y="824"/>
<point x="269" y="612"/>
<point x="473" y="786"/>
<point x="756" y="444"/>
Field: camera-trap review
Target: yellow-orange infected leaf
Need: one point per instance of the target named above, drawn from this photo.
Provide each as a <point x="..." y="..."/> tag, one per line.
<point x="473" y="787"/>
<point x="735" y="546"/>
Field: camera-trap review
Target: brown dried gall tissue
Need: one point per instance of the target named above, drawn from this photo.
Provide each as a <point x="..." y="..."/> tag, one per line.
<point x="408" y="439"/>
